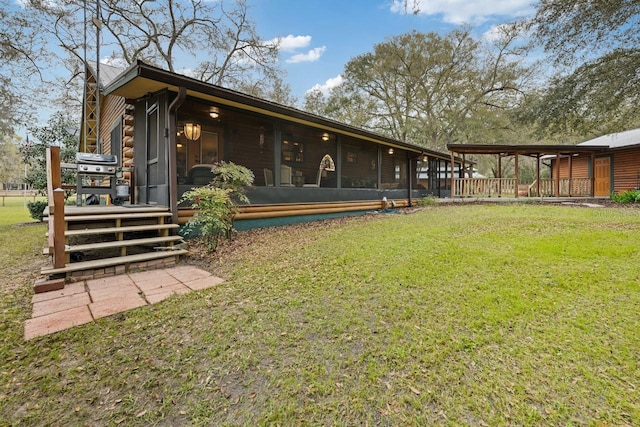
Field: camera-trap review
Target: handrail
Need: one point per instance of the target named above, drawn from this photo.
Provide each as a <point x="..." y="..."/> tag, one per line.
<point x="55" y="199"/>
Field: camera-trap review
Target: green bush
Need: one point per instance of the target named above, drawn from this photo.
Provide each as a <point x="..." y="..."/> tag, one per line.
<point x="428" y="201"/>
<point x="36" y="209"/>
<point x="631" y="196"/>
<point x="216" y="203"/>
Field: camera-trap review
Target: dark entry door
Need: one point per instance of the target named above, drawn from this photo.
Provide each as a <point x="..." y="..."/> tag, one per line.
<point x="155" y="159"/>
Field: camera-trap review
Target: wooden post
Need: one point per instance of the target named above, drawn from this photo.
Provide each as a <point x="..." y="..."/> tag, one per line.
<point x="465" y="184"/>
<point x="538" y="175"/>
<point x="499" y="175"/>
<point x="570" y="173"/>
<point x="556" y="180"/>
<point x="58" y="228"/>
<point x="517" y="174"/>
<point x="593" y="174"/>
<point x="453" y="178"/>
<point x="54" y="178"/>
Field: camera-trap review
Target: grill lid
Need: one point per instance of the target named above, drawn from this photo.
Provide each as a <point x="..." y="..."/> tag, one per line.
<point x="96" y="159"/>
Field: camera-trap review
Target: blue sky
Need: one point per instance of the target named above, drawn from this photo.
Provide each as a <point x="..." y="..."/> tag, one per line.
<point x="320" y="37"/>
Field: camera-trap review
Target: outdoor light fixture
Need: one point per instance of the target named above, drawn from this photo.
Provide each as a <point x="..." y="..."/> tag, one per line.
<point x="214" y="112"/>
<point x="390" y="151"/>
<point x="425" y="158"/>
<point x="192" y="131"/>
<point x="325" y="137"/>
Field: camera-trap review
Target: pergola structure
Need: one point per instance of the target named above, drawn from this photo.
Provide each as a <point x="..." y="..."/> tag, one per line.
<point x="462" y="186"/>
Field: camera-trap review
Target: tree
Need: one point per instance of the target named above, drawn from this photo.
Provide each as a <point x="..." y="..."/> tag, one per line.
<point x="11" y="166"/>
<point x="59" y="130"/>
<point x="426" y="88"/>
<point x="21" y="46"/>
<point x="598" y="45"/>
<point x="217" y="42"/>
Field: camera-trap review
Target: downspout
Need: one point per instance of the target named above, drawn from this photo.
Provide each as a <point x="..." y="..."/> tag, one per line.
<point x="410" y="176"/>
<point x="173" y="175"/>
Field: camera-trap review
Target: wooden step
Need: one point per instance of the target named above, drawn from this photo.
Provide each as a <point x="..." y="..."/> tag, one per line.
<point x="108" y="262"/>
<point x="112" y="230"/>
<point x="100" y="217"/>
<point x="121" y="243"/>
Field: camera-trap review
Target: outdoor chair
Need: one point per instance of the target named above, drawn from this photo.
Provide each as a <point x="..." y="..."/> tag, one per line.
<point x="268" y="177"/>
<point x="200" y="174"/>
<point x="285" y="176"/>
<point x="318" y="179"/>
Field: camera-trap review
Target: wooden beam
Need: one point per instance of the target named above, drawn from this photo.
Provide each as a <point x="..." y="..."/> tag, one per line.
<point x="538" y="175"/>
<point x="570" y="173"/>
<point x="59" y="259"/>
<point x="556" y="178"/>
<point x="517" y="174"/>
<point x="453" y="179"/>
<point x="499" y="175"/>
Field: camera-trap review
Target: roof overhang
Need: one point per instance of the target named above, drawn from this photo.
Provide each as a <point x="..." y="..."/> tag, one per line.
<point x="141" y="80"/>
<point x="525" y="150"/>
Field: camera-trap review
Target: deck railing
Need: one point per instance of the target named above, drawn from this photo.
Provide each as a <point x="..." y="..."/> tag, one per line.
<point x="569" y="187"/>
<point x="506" y="187"/>
<point x="484" y="187"/>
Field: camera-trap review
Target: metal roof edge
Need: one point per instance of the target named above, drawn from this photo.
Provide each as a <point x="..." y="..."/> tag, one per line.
<point x="143" y="70"/>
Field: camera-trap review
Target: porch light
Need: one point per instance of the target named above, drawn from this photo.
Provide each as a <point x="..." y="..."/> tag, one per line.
<point x="214" y="112"/>
<point x="425" y="158"/>
<point x="192" y="131"/>
<point x="325" y="137"/>
<point x="390" y="151"/>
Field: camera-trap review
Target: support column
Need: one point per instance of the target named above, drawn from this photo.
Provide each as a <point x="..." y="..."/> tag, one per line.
<point x="453" y="178"/>
<point x="538" y="175"/>
<point x="570" y="173"/>
<point x="517" y="186"/>
<point x="593" y="174"/>
<point x="499" y="175"/>
<point x="556" y="177"/>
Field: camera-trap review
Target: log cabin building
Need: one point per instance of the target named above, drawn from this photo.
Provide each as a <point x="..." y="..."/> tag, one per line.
<point x="169" y="129"/>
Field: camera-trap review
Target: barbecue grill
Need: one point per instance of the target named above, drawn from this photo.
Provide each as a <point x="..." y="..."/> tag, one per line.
<point x="96" y="175"/>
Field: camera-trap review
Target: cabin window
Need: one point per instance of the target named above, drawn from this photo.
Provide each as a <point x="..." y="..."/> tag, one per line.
<point x="394" y="169"/>
<point x="303" y="158"/>
<point x="359" y="164"/>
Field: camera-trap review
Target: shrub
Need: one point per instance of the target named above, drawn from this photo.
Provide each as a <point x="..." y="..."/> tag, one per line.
<point x="36" y="209"/>
<point x="216" y="203"/>
<point x="428" y="201"/>
<point x="631" y="196"/>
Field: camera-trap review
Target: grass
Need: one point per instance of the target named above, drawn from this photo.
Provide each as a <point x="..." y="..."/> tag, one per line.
<point x="495" y="315"/>
<point x="15" y="211"/>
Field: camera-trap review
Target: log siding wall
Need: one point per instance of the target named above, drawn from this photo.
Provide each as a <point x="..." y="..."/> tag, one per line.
<point x="626" y="166"/>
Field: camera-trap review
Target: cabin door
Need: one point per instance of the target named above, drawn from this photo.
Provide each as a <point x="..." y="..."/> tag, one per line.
<point x="602" y="177"/>
<point x="156" y="185"/>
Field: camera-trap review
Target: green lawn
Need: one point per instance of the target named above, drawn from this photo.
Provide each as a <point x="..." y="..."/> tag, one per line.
<point x="14" y="210"/>
<point x="472" y="315"/>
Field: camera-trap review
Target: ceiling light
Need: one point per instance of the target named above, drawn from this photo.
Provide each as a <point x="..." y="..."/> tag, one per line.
<point x="192" y="131"/>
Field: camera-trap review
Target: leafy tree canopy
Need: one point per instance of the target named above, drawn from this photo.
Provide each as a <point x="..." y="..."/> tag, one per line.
<point x="428" y="89"/>
<point x="598" y="42"/>
<point x="60" y="130"/>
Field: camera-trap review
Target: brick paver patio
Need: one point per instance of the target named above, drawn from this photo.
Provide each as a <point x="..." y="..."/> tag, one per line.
<point x="82" y="302"/>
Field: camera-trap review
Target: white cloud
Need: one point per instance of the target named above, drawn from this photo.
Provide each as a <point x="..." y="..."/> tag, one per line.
<point x="464" y="11"/>
<point x="311" y="56"/>
<point x="115" y="61"/>
<point x="290" y="43"/>
<point x="328" y="85"/>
